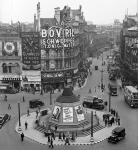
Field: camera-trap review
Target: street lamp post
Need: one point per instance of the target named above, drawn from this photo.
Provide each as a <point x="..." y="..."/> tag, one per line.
<point x="109" y="101"/>
<point x="19" y="129"/>
<point x="91" y="140"/>
<point x="51" y="96"/>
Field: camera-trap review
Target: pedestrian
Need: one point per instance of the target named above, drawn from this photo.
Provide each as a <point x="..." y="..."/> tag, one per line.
<point x="105" y="121"/>
<point x="59" y="136"/>
<point x="37" y="113"/>
<point x="22" y="137"/>
<point x="53" y="135"/>
<point x="64" y="136"/>
<point x="55" y="128"/>
<point x="23" y="99"/>
<point x="118" y="121"/>
<point x="5" y="98"/>
<point x="51" y="143"/>
<point x="116" y="114"/>
<point x="9" y="106"/>
<point x="90" y="91"/>
<point x="28" y="112"/>
<point x="48" y="141"/>
<point x="67" y="141"/>
<point x="26" y="125"/>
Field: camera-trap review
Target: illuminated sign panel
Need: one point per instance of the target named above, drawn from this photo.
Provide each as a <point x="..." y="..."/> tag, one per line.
<point x="57" y="37"/>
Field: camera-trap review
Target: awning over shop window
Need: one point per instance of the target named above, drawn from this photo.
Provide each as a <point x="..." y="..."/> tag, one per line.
<point x="11" y="79"/>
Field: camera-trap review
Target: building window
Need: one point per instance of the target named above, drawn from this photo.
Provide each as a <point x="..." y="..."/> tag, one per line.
<point x="4" y="66"/>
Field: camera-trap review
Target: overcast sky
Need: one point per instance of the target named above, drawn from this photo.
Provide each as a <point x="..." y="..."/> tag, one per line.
<point x="97" y="11"/>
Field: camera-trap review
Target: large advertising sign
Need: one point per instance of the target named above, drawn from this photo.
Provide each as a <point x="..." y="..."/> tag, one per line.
<point x="131" y="47"/>
<point x="57" y="37"/>
<point x="79" y="112"/>
<point x="67" y="114"/>
<point x="31" y="54"/>
<point x="56" y="113"/>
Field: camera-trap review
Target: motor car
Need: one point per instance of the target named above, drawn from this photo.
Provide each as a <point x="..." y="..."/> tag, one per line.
<point x="93" y="102"/>
<point x="96" y="67"/>
<point x="35" y="103"/>
<point x="113" y="90"/>
<point x="118" y="134"/>
<point x="3" y="119"/>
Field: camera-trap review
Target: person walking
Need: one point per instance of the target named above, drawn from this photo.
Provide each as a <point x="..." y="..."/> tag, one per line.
<point x="37" y="113"/>
<point x="118" y="121"/>
<point x="22" y="136"/>
<point x="59" y="136"/>
<point x="28" y="112"/>
<point x="9" y="106"/>
<point x="64" y="136"/>
<point x="48" y="141"/>
<point x="51" y="143"/>
<point x="67" y="141"/>
<point x="5" y="98"/>
<point x="26" y="125"/>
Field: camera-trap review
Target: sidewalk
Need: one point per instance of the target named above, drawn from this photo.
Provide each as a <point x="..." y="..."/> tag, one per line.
<point x="39" y="137"/>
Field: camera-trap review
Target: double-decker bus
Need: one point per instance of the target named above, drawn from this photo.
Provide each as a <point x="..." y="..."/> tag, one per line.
<point x="131" y="96"/>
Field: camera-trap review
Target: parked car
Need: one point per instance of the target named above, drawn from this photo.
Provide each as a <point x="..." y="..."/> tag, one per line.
<point x="117" y="134"/>
<point x="93" y="102"/>
<point x="36" y="103"/>
<point x="3" y="119"/>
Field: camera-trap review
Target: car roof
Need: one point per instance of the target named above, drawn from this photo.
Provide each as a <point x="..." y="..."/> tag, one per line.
<point x="34" y="100"/>
<point x="118" y="129"/>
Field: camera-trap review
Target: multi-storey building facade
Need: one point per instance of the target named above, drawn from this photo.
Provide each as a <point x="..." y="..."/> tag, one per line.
<point x="10" y="57"/>
<point x="129" y="48"/>
<point x="63" y="45"/>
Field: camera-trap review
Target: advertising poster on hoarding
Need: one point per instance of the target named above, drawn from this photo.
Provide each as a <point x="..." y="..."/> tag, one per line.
<point x="67" y="114"/>
<point x="56" y="112"/>
<point x="79" y="112"/>
<point x="31" y="54"/>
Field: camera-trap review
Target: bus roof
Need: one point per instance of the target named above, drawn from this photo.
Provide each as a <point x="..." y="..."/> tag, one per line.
<point x="132" y="89"/>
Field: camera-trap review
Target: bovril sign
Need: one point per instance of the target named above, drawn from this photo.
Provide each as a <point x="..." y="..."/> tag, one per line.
<point x="57" y="37"/>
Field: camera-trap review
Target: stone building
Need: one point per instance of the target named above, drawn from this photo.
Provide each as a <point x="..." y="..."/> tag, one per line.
<point x="129" y="48"/>
<point x="63" y="47"/>
<point x="10" y="57"/>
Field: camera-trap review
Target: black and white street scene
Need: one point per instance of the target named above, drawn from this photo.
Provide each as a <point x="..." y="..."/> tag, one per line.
<point x="69" y="74"/>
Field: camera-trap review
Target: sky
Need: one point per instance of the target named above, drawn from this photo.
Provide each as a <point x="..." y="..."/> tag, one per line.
<point x="96" y="11"/>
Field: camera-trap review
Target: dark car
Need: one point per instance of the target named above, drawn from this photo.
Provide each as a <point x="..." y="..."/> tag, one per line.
<point x="113" y="90"/>
<point x="35" y="103"/>
<point x="96" y="67"/>
<point x="118" y="134"/>
<point x="3" y="119"/>
<point x="93" y="103"/>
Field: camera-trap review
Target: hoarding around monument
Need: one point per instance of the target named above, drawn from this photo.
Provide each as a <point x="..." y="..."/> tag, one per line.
<point x="31" y="54"/>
